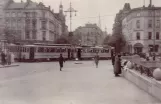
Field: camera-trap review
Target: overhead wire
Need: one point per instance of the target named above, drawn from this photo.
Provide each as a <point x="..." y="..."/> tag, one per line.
<point x="93" y="17"/>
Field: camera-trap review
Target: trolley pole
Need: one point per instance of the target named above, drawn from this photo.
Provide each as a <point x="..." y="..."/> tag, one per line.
<point x="70" y="11"/>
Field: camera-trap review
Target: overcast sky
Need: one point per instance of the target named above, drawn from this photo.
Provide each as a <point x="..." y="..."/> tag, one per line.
<point x="92" y="8"/>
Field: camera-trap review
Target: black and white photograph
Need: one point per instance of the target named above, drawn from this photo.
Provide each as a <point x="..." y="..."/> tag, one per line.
<point x="80" y="51"/>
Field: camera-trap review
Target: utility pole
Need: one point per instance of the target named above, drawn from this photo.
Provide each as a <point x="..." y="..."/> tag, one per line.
<point x="70" y="11"/>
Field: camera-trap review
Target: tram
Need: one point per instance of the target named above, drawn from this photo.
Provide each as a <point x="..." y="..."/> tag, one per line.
<point x="51" y="52"/>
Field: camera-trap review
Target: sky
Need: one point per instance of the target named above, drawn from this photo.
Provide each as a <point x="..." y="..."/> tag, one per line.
<point x="89" y="10"/>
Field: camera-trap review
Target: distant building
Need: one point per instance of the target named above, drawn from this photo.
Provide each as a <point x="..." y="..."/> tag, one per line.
<point x="32" y="21"/>
<point x="142" y="29"/>
<point x="90" y="35"/>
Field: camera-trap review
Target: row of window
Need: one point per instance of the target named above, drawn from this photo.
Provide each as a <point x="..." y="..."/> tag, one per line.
<point x="56" y="50"/>
<point x="144" y="13"/>
<point x="31" y="34"/>
<point x="157" y="36"/>
<point x="150" y="24"/>
<point x="19" y="14"/>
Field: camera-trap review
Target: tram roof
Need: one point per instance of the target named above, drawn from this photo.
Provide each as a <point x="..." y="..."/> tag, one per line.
<point x="52" y="44"/>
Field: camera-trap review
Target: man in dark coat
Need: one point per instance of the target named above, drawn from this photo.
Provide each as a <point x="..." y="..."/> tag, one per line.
<point x="3" y="58"/>
<point x="117" y="65"/>
<point x="61" y="60"/>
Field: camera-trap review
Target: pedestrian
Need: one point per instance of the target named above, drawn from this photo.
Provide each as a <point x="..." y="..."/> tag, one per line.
<point x="113" y="57"/>
<point x="8" y="58"/>
<point x="12" y="58"/>
<point x="3" y="58"/>
<point x="117" y="65"/>
<point x="61" y="61"/>
<point x="96" y="59"/>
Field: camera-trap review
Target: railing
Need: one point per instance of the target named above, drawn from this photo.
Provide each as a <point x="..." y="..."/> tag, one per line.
<point x="143" y="67"/>
<point x="144" y="70"/>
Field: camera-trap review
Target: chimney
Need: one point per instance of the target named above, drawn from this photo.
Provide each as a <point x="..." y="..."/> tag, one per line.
<point x="150" y="3"/>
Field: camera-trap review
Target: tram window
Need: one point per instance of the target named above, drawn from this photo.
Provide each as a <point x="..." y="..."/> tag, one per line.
<point x="91" y="51"/>
<point x="40" y="49"/>
<point x="94" y="50"/>
<point x="52" y="49"/>
<point x="58" y="50"/>
<point x="63" y="50"/>
<point x="47" y="49"/>
<point x="107" y="51"/>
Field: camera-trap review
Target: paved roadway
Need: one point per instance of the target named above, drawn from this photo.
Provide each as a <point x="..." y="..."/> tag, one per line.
<point x="43" y="83"/>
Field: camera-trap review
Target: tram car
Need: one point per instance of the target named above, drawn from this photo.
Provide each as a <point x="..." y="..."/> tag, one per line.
<point x="90" y="52"/>
<point x="51" y="52"/>
<point x="40" y="52"/>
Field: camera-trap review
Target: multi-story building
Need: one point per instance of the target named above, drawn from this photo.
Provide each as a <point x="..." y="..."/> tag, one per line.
<point x="142" y="29"/>
<point x="31" y="21"/>
<point x="90" y="35"/>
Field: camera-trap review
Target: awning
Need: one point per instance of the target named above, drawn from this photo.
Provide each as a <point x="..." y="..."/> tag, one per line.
<point x="138" y="45"/>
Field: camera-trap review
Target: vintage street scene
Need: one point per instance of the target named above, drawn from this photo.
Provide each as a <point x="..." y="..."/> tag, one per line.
<point x="80" y="52"/>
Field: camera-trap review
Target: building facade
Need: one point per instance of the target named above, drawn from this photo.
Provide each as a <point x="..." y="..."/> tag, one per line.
<point x="31" y="21"/>
<point x="89" y="35"/>
<point x="142" y="30"/>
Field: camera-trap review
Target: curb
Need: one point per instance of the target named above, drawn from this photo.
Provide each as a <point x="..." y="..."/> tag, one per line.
<point x="6" y="66"/>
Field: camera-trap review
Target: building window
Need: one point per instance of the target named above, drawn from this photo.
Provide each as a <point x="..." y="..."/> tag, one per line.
<point x="43" y="14"/>
<point x="7" y="14"/>
<point x="27" y="14"/>
<point x="13" y="14"/>
<point x="27" y="34"/>
<point x="34" y="14"/>
<point x="158" y="24"/>
<point x="44" y="35"/>
<point x="34" y="23"/>
<point x="157" y="13"/>
<point x="19" y="23"/>
<point x="150" y="13"/>
<point x="138" y="14"/>
<point x="150" y="24"/>
<point x="43" y="24"/>
<point x="138" y="35"/>
<point x="157" y="35"/>
<point x="138" y="24"/>
<point x="33" y="34"/>
<point x="149" y="35"/>
<point x="153" y="49"/>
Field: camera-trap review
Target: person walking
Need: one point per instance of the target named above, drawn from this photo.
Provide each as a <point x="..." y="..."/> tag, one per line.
<point x="61" y="61"/>
<point x="96" y="58"/>
<point x="8" y="58"/>
<point x="3" y="58"/>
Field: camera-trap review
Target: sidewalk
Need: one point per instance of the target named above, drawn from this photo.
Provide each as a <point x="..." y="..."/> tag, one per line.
<point x="6" y="66"/>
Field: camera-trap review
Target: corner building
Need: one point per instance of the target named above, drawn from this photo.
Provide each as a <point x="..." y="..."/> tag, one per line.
<point x="31" y="21"/>
<point x="142" y="30"/>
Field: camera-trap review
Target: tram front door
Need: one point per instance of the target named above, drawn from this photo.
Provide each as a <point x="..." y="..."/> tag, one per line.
<point x="79" y="54"/>
<point x="32" y="53"/>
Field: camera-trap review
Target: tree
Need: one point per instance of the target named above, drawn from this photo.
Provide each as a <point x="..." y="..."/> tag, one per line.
<point x="105" y="41"/>
<point x="62" y="40"/>
<point x="11" y="35"/>
<point x="117" y="41"/>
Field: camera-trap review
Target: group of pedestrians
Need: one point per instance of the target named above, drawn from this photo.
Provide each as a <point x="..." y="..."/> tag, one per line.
<point x="6" y="59"/>
<point x="62" y="61"/>
<point x="116" y="62"/>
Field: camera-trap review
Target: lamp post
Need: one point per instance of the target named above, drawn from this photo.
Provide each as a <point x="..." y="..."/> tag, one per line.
<point x="70" y="11"/>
